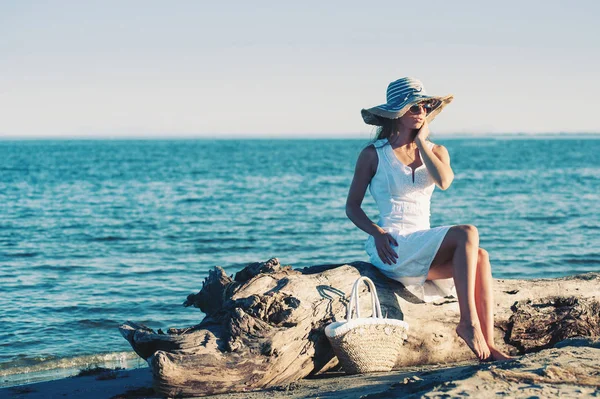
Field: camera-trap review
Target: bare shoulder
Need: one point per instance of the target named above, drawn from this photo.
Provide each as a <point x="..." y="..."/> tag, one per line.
<point x="369" y="152"/>
<point x="367" y="160"/>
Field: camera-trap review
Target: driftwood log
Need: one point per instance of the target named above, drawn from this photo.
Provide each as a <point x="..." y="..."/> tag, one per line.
<point x="264" y="327"/>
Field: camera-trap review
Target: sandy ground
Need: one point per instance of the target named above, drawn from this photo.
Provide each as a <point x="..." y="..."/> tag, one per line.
<point x="570" y="370"/>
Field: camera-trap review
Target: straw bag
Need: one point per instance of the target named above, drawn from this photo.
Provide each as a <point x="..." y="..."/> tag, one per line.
<point x="364" y="345"/>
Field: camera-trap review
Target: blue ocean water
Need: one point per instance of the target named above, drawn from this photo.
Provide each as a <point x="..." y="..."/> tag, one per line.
<point x="94" y="233"/>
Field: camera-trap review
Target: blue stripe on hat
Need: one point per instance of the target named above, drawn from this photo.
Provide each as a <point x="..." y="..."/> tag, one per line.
<point x="402" y="88"/>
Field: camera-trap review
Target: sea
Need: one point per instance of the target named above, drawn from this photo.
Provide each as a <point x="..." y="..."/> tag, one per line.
<point x="97" y="232"/>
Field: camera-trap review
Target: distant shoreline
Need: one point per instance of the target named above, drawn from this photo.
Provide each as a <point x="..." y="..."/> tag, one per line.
<point x="324" y="136"/>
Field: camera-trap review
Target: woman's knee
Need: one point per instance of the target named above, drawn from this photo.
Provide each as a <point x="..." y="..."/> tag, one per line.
<point x="483" y="258"/>
<point x="465" y="232"/>
<point x="457" y="237"/>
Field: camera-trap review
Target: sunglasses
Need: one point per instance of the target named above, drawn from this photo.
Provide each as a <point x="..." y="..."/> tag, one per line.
<point x="416" y="109"/>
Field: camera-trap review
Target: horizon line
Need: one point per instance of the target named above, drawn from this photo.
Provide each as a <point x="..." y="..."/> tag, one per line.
<point x="294" y="136"/>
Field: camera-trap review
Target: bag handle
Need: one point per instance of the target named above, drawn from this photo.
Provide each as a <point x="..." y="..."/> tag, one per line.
<point x="353" y="303"/>
<point x="354" y="299"/>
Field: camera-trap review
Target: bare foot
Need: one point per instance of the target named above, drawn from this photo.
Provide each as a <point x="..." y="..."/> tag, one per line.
<point x="473" y="337"/>
<point x="498" y="356"/>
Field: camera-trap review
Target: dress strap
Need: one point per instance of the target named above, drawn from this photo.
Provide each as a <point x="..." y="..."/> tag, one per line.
<point x="380" y="143"/>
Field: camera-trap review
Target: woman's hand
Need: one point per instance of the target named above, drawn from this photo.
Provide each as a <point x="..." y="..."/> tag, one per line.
<point x="383" y="243"/>
<point x="436" y="159"/>
<point x="423" y="133"/>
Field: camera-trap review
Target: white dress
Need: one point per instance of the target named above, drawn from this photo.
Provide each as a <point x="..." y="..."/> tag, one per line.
<point x="403" y="200"/>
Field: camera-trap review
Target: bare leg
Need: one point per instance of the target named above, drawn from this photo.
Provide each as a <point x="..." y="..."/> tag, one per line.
<point x="484" y="295"/>
<point x="460" y="248"/>
<point x="484" y="298"/>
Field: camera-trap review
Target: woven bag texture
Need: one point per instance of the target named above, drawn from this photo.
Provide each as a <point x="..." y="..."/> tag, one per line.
<point x="368" y="348"/>
<point x="373" y="344"/>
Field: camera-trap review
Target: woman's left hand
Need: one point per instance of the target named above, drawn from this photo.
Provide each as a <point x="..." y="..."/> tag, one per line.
<point x="423" y="132"/>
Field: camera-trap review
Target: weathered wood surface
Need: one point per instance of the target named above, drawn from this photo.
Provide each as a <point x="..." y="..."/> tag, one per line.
<point x="265" y="326"/>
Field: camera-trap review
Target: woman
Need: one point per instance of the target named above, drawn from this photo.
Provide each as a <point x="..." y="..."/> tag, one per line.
<point x="401" y="169"/>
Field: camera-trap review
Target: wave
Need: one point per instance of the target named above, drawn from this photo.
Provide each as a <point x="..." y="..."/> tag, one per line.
<point x="192" y="200"/>
<point x="107" y="238"/>
<point x="549" y="219"/>
<point x="93" y="324"/>
<point x="22" y="255"/>
<point x="25" y="370"/>
<point x="590" y="226"/>
<point x="582" y="261"/>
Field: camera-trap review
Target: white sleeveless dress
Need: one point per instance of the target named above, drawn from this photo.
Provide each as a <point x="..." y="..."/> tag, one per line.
<point x="403" y="200"/>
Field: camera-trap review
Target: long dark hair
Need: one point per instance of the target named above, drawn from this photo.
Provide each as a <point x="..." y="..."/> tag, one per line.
<point x="385" y="130"/>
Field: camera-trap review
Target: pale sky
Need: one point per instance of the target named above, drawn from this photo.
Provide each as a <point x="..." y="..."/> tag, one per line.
<point x="282" y="68"/>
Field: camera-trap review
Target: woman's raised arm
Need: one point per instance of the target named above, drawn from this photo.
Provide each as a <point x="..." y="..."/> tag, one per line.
<point x="437" y="160"/>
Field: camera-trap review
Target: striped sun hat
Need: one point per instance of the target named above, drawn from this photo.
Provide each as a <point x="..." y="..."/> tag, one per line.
<point x="401" y="95"/>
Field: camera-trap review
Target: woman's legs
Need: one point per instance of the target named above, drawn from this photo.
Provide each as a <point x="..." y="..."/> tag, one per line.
<point x="460" y="250"/>
<point x="483" y="290"/>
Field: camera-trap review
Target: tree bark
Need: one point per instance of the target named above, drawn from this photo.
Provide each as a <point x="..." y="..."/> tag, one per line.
<point x="265" y="327"/>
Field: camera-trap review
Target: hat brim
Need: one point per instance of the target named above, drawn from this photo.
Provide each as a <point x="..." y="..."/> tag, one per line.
<point x="373" y="116"/>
